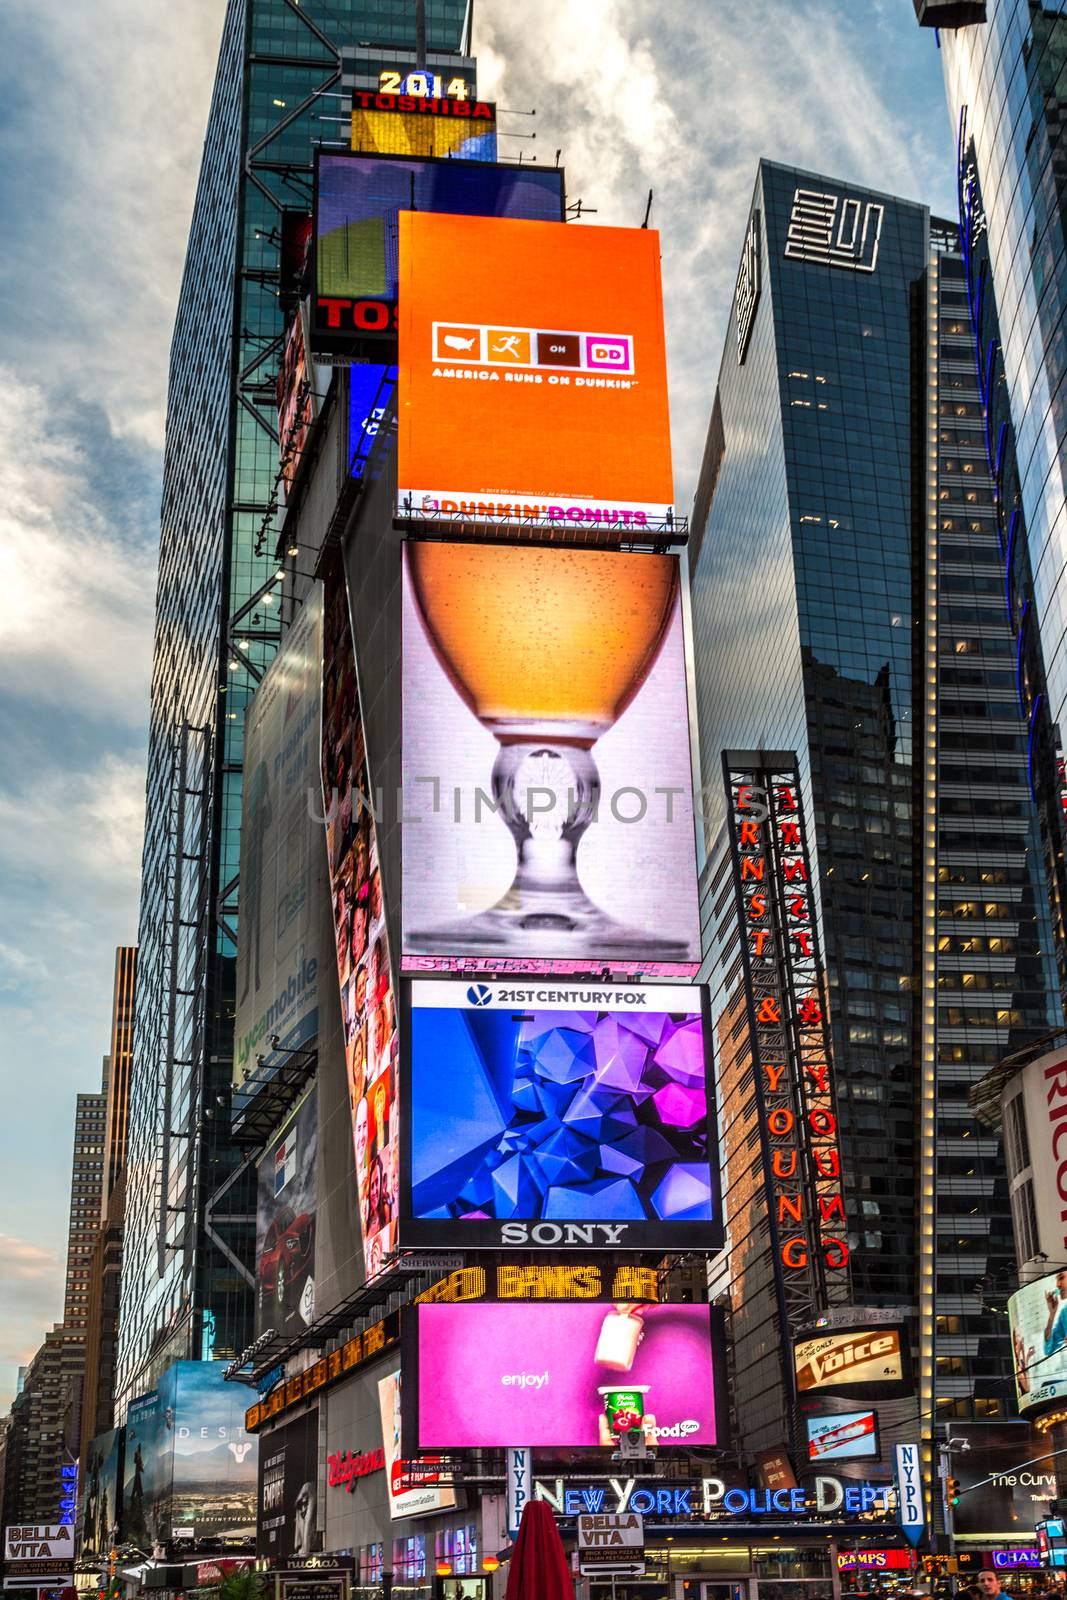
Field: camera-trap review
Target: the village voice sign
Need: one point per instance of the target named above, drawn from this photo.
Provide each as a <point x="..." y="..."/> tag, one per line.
<point x="612" y="1543"/>
<point x="38" y="1555"/>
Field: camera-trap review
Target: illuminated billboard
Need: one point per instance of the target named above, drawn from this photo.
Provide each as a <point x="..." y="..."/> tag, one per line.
<point x="548" y="814"/>
<point x="558" y="1115"/>
<point x="190" y="1466"/>
<point x="100" y="1484"/>
<point x="1037" y="1317"/>
<point x="358" y="201"/>
<point x="285" y="1225"/>
<point x="371" y="386"/>
<point x="407" y="1497"/>
<point x="1006" y="1479"/>
<point x="287" y="1520"/>
<point x="368" y="1011"/>
<point x="556" y="1375"/>
<point x="857" y="1362"/>
<point x="845" y="1436"/>
<point x="278" y="951"/>
<point x="533" y="378"/>
<point x="388" y="123"/>
<point x="293" y="393"/>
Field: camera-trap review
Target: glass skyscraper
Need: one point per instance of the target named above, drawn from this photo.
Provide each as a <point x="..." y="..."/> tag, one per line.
<point x="1007" y="88"/>
<point x="847" y="606"/>
<point x="186" y="1287"/>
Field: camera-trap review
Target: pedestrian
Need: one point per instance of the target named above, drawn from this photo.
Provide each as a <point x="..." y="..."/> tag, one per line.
<point x="989" y="1587"/>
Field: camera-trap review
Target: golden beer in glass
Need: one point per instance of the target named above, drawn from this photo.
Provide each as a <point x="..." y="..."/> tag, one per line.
<point x="547" y="645"/>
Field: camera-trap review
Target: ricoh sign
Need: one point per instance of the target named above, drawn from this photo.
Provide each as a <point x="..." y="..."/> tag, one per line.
<point x="1042" y="1104"/>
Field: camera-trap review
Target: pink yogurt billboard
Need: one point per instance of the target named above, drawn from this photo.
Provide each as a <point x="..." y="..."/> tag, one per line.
<point x="557" y="1373"/>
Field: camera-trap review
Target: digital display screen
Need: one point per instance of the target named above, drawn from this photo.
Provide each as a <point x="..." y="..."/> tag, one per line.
<point x="555" y="1374"/>
<point x="855" y="1361"/>
<point x="368" y="1011"/>
<point x="1037" y="1318"/>
<point x="548" y="814"/>
<point x="558" y="1116"/>
<point x="848" y="1436"/>
<point x="533" y="377"/>
<point x="358" y="201"/>
<point x="390" y="123"/>
<point x="370" y="389"/>
<point x="285" y="1225"/>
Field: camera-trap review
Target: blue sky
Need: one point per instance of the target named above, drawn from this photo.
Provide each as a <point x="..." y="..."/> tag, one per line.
<point x="102" y="112"/>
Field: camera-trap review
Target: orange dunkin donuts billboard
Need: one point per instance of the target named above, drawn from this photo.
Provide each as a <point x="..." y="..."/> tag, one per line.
<point x="533" y="376"/>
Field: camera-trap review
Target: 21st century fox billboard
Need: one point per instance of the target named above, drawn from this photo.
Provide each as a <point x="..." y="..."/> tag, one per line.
<point x="533" y="378"/>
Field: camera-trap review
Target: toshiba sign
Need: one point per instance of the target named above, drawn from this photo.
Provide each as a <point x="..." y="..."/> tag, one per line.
<point x="856" y="1361"/>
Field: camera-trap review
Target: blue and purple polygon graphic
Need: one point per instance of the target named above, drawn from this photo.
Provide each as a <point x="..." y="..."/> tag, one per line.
<point x="559" y="1115"/>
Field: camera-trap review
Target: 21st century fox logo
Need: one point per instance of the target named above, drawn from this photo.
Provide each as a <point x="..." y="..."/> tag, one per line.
<point x="536" y="348"/>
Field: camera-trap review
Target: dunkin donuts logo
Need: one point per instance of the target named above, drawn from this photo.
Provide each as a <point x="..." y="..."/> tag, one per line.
<point x="533" y="347"/>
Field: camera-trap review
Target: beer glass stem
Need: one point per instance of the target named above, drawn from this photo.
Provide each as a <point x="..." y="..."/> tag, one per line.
<point x="547" y="794"/>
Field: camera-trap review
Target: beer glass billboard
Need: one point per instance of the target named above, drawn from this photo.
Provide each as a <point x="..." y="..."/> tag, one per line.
<point x="548" y="815"/>
<point x="533" y="378"/>
<point x="558" y="1116"/>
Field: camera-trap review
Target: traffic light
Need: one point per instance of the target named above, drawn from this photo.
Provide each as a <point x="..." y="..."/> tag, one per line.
<point x="952" y="1491"/>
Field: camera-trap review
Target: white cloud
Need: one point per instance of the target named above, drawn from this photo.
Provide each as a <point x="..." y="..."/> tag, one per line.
<point x="116" y="145"/>
<point x="33" y="1299"/>
<point x="684" y="98"/>
<point x="76" y="598"/>
<point x="77" y="832"/>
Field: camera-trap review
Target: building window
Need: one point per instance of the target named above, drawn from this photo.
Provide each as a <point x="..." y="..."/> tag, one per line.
<point x="1024" y="1221"/>
<point x="1016" y="1141"/>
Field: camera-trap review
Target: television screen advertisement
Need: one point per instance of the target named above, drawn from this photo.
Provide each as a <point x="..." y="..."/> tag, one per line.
<point x="364" y="970"/>
<point x="100" y="1483"/>
<point x="358" y="201"/>
<point x="286" y="1198"/>
<point x="548" y="814"/>
<point x="842" y="1436"/>
<point x="863" y="1363"/>
<point x="565" y="1375"/>
<point x="557" y="1116"/>
<point x="278" y="952"/>
<point x="1004" y="1486"/>
<point x="407" y="1498"/>
<point x="1037" y="1318"/>
<point x="414" y="125"/>
<point x="214" y="1461"/>
<point x="533" y="376"/>
<point x="288" y="1488"/>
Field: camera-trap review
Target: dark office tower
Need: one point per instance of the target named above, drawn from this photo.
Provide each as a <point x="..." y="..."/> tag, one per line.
<point x="848" y="614"/>
<point x="1007" y="99"/>
<point x="277" y="88"/>
<point x="120" y="1061"/>
<point x="85" y="1184"/>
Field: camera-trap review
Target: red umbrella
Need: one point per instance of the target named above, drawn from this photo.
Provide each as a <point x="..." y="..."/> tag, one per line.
<point x="538" y="1568"/>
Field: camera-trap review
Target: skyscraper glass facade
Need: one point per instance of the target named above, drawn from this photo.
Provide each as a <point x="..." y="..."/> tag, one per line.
<point x="826" y="610"/>
<point x="1007" y="89"/>
<point x="277" y="90"/>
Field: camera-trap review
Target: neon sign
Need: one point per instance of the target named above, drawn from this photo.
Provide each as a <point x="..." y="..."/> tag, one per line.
<point x="424" y="85"/>
<point x="789" y="1023"/>
<point x="345" y="1467"/>
<point x="713" y="1498"/>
